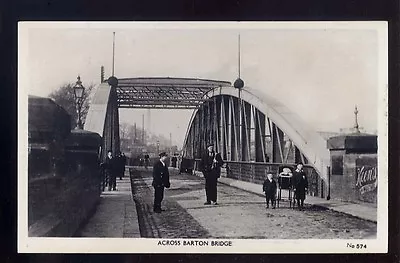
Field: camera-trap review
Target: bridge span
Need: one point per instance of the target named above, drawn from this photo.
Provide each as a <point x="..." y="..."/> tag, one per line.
<point x="247" y="127"/>
<point x="255" y="134"/>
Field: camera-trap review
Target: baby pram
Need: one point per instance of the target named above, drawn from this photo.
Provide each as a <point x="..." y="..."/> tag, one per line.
<point x="285" y="183"/>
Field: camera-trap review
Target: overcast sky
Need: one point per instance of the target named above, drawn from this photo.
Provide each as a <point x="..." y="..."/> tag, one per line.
<point x="320" y="72"/>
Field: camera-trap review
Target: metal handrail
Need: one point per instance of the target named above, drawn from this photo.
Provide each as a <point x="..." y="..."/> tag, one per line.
<point x="248" y="171"/>
<point x="262" y="163"/>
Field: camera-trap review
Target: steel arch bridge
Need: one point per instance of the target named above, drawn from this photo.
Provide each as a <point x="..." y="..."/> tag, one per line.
<point x="245" y="126"/>
<point x="253" y="127"/>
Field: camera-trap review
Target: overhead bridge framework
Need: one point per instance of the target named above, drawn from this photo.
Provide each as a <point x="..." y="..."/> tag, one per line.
<point x="249" y="127"/>
<point x="165" y="93"/>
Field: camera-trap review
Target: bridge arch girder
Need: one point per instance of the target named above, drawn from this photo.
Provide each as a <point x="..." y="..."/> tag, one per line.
<point x="103" y="118"/>
<point x="224" y="104"/>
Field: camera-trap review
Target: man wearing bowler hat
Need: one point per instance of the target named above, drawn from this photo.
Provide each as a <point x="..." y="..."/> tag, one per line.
<point x="210" y="165"/>
<point x="160" y="180"/>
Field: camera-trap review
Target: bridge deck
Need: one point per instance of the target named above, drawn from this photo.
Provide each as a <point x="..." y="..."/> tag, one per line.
<point x="115" y="215"/>
<point x="241" y="213"/>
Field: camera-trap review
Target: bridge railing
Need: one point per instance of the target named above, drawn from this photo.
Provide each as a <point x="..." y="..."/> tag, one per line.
<point x="256" y="172"/>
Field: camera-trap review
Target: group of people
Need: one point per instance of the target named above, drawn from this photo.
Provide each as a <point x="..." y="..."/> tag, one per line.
<point x="113" y="167"/>
<point x="210" y="165"/>
<point x="299" y="185"/>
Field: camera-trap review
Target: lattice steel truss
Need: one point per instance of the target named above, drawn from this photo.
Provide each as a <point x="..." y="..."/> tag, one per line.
<point x="239" y="133"/>
<point x="165" y="93"/>
<point x="243" y="125"/>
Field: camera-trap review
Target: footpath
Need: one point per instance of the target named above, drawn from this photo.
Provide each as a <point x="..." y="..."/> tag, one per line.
<point x="357" y="210"/>
<point x="115" y="215"/>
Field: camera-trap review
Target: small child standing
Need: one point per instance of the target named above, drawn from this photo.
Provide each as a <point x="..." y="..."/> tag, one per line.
<point x="269" y="187"/>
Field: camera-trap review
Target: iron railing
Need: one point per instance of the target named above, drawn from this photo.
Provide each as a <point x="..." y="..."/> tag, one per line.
<point x="256" y="172"/>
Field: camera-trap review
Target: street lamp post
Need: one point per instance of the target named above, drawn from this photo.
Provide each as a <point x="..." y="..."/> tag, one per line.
<point x="79" y="90"/>
<point x="158" y="147"/>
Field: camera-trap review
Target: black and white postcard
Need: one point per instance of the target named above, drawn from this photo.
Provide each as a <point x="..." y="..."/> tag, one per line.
<point x="202" y="137"/>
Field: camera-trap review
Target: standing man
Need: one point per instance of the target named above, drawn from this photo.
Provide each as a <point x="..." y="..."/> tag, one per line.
<point x="118" y="164"/>
<point x="160" y="180"/>
<point x="146" y="161"/>
<point x="122" y="162"/>
<point x="300" y="185"/>
<point x="173" y="161"/>
<point x="179" y="163"/>
<point x="210" y="165"/>
<point x="111" y="169"/>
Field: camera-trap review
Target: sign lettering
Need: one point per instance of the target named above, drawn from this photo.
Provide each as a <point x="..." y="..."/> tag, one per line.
<point x="367" y="179"/>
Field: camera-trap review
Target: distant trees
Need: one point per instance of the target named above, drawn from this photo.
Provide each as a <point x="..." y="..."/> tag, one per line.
<point x="64" y="96"/>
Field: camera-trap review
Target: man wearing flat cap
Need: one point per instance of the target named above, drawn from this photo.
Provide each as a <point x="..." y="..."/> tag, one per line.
<point x="160" y="180"/>
<point x="210" y="165"/>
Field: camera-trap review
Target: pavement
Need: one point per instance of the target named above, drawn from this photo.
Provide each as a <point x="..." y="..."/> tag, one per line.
<point x="357" y="210"/>
<point x="240" y="214"/>
<point x="115" y="215"/>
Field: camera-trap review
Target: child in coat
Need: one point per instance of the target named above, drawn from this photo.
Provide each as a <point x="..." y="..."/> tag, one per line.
<point x="269" y="187"/>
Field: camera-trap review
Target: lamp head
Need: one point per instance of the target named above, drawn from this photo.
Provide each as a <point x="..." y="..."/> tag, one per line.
<point x="79" y="89"/>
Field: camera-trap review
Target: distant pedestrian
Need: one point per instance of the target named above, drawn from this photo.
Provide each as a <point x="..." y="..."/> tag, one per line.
<point x="121" y="164"/>
<point x="210" y="165"/>
<point x="179" y="163"/>
<point x="160" y="180"/>
<point x="174" y="159"/>
<point x="118" y="164"/>
<point x="269" y="187"/>
<point x="146" y="161"/>
<point x="111" y="166"/>
<point x="300" y="185"/>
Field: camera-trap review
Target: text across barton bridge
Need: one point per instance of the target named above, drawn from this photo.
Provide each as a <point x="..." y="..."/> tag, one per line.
<point x="254" y="132"/>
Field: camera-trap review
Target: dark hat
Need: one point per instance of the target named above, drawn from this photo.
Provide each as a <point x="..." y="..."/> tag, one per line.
<point x="163" y="154"/>
<point x="210" y="144"/>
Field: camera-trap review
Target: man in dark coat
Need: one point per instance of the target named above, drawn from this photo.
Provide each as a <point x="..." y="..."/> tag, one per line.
<point x="122" y="162"/>
<point x="173" y="161"/>
<point x="210" y="165"/>
<point x="118" y="164"/>
<point x="146" y="160"/>
<point x="111" y="170"/>
<point x="269" y="187"/>
<point x="300" y="185"/>
<point x="160" y="180"/>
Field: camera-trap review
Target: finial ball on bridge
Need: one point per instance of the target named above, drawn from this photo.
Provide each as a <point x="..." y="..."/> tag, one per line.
<point x="239" y="83"/>
<point x="112" y="81"/>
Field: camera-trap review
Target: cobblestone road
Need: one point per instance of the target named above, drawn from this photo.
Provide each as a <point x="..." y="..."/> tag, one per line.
<point x="175" y="222"/>
<point x="240" y="214"/>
